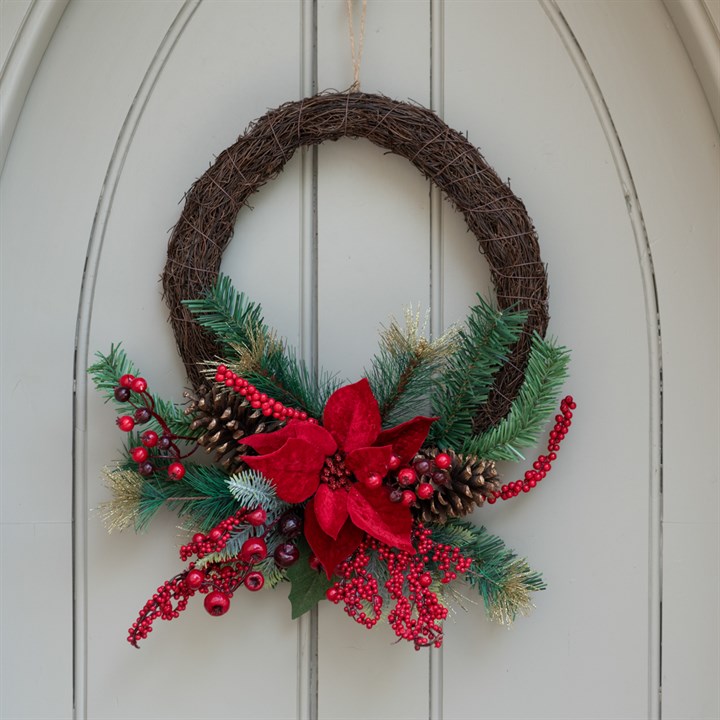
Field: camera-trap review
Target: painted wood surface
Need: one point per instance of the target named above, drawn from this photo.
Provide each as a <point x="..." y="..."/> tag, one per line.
<point x="594" y="113"/>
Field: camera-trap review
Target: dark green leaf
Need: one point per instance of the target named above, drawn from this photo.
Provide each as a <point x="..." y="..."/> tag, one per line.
<point x="308" y="586"/>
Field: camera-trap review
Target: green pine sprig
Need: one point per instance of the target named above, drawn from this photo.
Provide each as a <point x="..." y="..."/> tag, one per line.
<point x="503" y="580"/>
<point x="252" y="489"/>
<point x="230" y="315"/>
<point x="202" y="497"/>
<point x="106" y="374"/>
<point x="402" y="373"/>
<point x="466" y="379"/>
<point x="255" y="353"/>
<point x="545" y="375"/>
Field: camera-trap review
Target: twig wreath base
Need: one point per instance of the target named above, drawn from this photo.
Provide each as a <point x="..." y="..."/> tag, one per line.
<point x="493" y="213"/>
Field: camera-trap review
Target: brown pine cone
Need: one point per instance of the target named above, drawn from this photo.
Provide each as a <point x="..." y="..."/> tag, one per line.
<point x="226" y="417"/>
<point x="466" y="484"/>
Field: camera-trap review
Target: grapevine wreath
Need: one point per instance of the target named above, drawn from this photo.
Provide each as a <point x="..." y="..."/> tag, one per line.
<point x="354" y="492"/>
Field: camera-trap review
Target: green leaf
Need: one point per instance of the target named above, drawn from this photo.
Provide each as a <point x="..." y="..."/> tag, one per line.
<point x="308" y="586"/>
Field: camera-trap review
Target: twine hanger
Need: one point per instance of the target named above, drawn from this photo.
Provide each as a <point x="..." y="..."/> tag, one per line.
<point x="356" y="52"/>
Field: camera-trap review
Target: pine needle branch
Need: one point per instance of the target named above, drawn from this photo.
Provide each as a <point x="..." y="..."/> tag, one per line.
<point x="202" y="497"/>
<point x="465" y="381"/>
<point x="228" y="314"/>
<point x="106" y="374"/>
<point x="503" y="580"/>
<point x="255" y="353"/>
<point x="402" y="372"/>
<point x="544" y="377"/>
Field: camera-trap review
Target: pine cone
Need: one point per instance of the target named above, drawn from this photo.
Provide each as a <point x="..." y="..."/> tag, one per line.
<point x="469" y="481"/>
<point x="226" y="417"/>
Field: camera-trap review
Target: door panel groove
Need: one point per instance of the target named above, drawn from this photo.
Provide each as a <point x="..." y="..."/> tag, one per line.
<point x="307" y="680"/>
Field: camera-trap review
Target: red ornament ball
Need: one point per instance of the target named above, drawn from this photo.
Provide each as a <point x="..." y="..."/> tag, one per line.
<point x="139" y="385"/>
<point x="176" y="471"/>
<point x="217" y="603"/>
<point x="126" y="381"/>
<point x="443" y="461"/>
<point x="254" y="581"/>
<point x="149" y="438"/>
<point x="194" y="579"/>
<point x="139" y="454"/>
<point x="407" y="477"/>
<point x="125" y="423"/>
<point x="425" y="491"/>
<point x="253" y="550"/>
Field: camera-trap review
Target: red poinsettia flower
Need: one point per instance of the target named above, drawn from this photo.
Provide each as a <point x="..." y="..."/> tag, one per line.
<point x="339" y="466"/>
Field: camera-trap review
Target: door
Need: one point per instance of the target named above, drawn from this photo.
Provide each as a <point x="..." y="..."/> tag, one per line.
<point x="594" y="113"/>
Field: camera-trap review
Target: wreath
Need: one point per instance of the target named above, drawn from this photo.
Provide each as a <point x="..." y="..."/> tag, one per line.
<point x="354" y="492"/>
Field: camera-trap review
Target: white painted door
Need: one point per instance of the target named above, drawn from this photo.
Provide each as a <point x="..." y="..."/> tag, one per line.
<point x="594" y="112"/>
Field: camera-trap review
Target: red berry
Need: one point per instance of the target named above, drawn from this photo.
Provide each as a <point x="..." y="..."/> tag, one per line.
<point x="146" y="469"/>
<point x="215" y="534"/>
<point x="373" y="480"/>
<point x="122" y="394"/>
<point x="194" y="579"/>
<point x="286" y="555"/>
<point x="254" y="581"/>
<point x="408" y="498"/>
<point x="139" y="454"/>
<point x="425" y="491"/>
<point x="176" y="471"/>
<point x="125" y="423"/>
<point x="217" y="603"/>
<point x="407" y="476"/>
<point x="198" y="538"/>
<point x="395" y="495"/>
<point x="394" y="462"/>
<point x="142" y="415"/>
<point x="256" y="517"/>
<point x="422" y="467"/>
<point x="425" y="579"/>
<point x="443" y="461"/>
<point x="139" y="385"/>
<point x="290" y="524"/>
<point x="127" y="380"/>
<point x="333" y="595"/>
<point x="253" y="550"/>
<point x="149" y="438"/>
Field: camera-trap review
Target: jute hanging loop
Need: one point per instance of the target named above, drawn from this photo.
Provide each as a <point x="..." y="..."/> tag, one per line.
<point x="493" y="213"/>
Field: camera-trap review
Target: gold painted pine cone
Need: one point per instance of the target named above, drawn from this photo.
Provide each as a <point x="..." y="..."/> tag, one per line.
<point x="226" y="417"/>
<point x="470" y="481"/>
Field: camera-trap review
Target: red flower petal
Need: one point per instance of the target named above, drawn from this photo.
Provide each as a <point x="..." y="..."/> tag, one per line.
<point x="406" y="439"/>
<point x="331" y="509"/>
<point x="364" y="461"/>
<point x="294" y="469"/>
<point x="264" y="443"/>
<point x="352" y="416"/>
<point x="372" y="511"/>
<point x="328" y="551"/>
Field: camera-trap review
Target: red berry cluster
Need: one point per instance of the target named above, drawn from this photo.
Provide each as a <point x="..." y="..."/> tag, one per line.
<point x="418" y="613"/>
<point x="542" y="466"/>
<point x="218" y="581"/>
<point x="216" y="540"/>
<point x="419" y="479"/>
<point x="154" y="447"/>
<point x="260" y="401"/>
